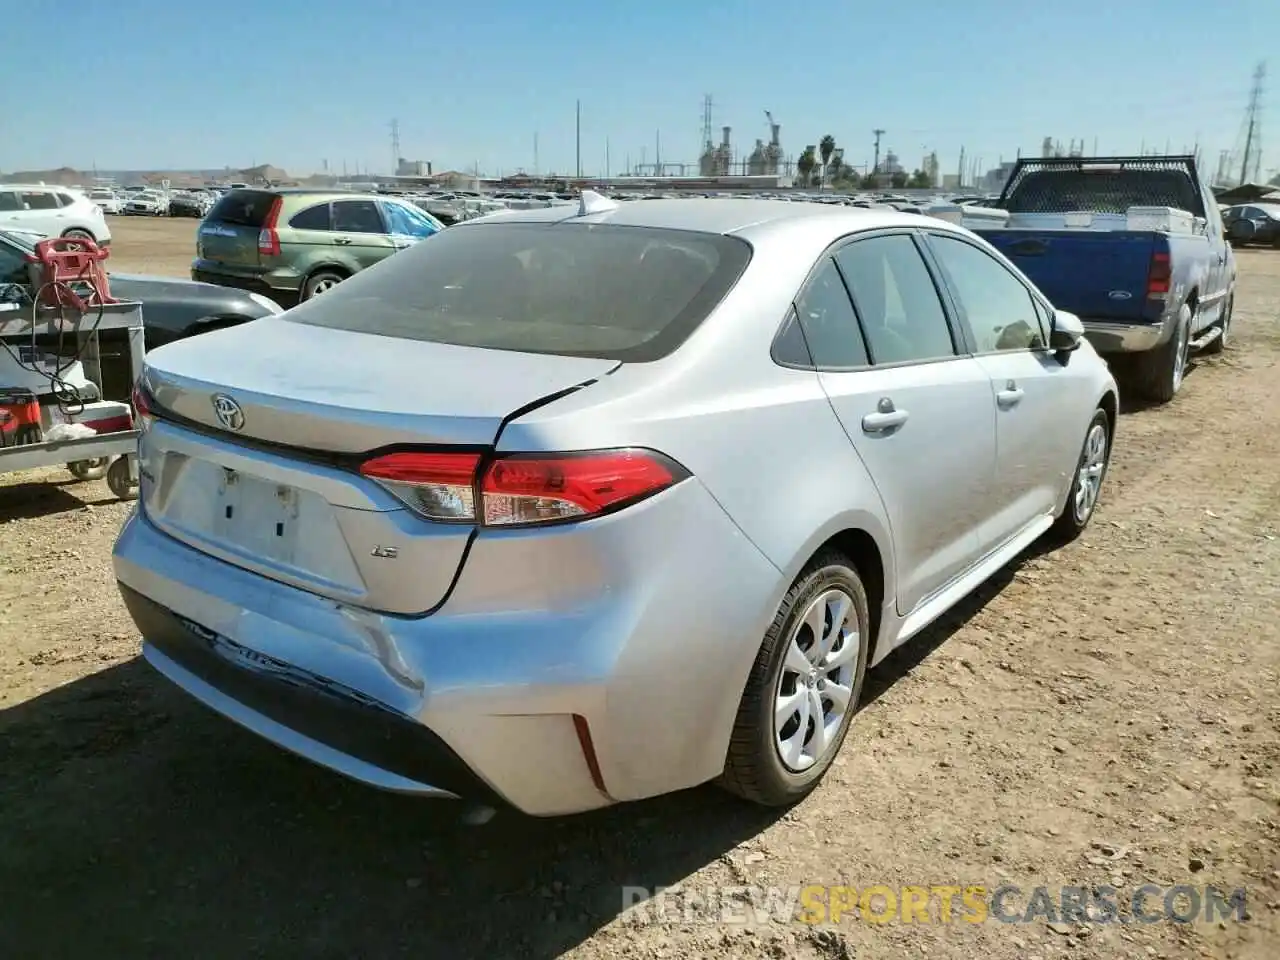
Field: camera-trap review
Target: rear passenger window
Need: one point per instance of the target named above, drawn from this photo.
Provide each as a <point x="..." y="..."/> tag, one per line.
<point x="39" y="200"/>
<point x="896" y="300"/>
<point x="312" y="218"/>
<point x="997" y="306"/>
<point x="829" y="323"/>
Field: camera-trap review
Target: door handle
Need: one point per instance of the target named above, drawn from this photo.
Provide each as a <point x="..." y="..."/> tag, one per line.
<point x="342" y="241"/>
<point x="1010" y="396"/>
<point x="887" y="417"/>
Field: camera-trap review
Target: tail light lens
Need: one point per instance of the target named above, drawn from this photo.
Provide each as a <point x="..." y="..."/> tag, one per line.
<point x="522" y="489"/>
<point x="268" y="236"/>
<point x="142" y="407"/>
<point x="440" y="486"/>
<point x="1159" y="275"/>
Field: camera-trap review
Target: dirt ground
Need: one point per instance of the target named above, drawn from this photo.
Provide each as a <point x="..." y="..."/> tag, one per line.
<point x="1105" y="713"/>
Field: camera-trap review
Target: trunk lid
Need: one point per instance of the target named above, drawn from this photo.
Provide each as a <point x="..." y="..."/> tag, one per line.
<point x="306" y="517"/>
<point x="1097" y="275"/>
<point x="229" y="234"/>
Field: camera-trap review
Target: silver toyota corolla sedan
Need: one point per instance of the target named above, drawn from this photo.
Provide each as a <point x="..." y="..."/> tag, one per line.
<point x="589" y="503"/>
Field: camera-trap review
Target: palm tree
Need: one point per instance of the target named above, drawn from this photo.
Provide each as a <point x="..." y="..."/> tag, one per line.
<point x="806" y="163"/>
<point x="826" y="146"/>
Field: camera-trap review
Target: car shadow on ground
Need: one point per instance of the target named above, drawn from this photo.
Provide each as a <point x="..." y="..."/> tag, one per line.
<point x="28" y="501"/>
<point x="136" y="823"/>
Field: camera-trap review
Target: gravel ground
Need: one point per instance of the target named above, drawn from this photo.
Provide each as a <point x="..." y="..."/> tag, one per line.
<point x="1103" y="714"/>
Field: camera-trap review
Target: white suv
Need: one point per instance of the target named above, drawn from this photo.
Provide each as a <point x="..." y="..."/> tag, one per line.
<point x="52" y="211"/>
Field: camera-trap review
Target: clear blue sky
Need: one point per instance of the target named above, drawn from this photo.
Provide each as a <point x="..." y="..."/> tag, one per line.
<point x="295" y="82"/>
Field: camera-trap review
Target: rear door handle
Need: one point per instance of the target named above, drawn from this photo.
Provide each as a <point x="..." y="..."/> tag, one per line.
<point x="886" y="418"/>
<point x="1010" y="396"/>
<point x="342" y="241"/>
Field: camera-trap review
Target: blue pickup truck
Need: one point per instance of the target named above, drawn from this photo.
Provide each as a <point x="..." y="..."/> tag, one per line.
<point x="1135" y="247"/>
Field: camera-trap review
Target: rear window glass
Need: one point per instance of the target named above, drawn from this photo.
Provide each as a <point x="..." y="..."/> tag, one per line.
<point x="591" y="290"/>
<point x="1103" y="191"/>
<point x="244" y="208"/>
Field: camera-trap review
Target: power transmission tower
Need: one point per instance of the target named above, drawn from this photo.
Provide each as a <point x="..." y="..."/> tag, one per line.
<point x="875" y="167"/>
<point x="395" y="147"/>
<point x="1252" y="158"/>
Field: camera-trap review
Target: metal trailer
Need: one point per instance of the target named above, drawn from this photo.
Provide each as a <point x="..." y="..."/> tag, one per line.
<point x="120" y="447"/>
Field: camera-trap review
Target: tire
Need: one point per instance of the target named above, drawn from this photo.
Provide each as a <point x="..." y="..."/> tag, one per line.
<point x="89" y="469"/>
<point x="320" y="281"/>
<point x="1091" y="469"/>
<point x="755" y="767"/>
<point x="1220" y="342"/>
<point x="75" y="233"/>
<point x="118" y="480"/>
<point x="1161" y="371"/>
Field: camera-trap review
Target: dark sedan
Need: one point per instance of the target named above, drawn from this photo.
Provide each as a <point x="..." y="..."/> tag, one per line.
<point x="1253" y="223"/>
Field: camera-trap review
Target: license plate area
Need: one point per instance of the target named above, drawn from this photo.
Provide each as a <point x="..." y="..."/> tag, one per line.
<point x="259" y="516"/>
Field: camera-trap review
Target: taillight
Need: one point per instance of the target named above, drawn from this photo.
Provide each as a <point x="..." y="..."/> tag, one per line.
<point x="522" y="489"/>
<point x="440" y="486"/>
<point x="1159" y="275"/>
<point x="142" y="405"/>
<point x="268" y="236"/>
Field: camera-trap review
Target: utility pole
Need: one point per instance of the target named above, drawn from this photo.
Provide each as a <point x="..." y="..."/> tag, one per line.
<point x="395" y="147"/>
<point x="535" y="154"/>
<point x="578" y="138"/>
<point x="1253" y="120"/>
<point x="875" y="167"/>
<point x="657" y="153"/>
<point x="606" y="158"/>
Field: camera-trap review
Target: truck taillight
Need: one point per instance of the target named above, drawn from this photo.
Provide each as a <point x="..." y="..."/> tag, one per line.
<point x="1159" y="275"/>
<point x="269" y="236"/>
<point x="522" y="489"/>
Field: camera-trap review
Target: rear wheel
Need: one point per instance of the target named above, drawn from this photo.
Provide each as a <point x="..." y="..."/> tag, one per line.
<point x="89" y="469"/>
<point x="119" y="481"/>
<point x="321" y="281"/>
<point x="75" y="233"/>
<point x="1161" y="371"/>
<point x="803" y="688"/>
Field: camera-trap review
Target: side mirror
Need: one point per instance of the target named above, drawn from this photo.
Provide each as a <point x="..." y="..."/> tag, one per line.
<point x="1066" y="333"/>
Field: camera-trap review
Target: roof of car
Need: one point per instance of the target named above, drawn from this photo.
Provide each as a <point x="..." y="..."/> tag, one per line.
<point x="713" y="215"/>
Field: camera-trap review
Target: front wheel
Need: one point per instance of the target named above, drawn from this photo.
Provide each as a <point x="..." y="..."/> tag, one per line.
<point x="1086" y="485"/>
<point x="803" y="688"/>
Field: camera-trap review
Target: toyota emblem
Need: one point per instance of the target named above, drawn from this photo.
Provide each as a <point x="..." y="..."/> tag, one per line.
<point x="228" y="412"/>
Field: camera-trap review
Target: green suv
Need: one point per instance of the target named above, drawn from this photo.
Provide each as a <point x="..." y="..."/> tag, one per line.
<point x="293" y="244"/>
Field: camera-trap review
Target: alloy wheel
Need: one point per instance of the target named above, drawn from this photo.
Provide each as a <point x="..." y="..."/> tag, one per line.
<point x="815" y="684"/>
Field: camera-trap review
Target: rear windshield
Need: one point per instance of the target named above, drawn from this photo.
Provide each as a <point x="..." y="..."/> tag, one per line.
<point x="1102" y="191"/>
<point x="243" y="208"/>
<point x="589" y="290"/>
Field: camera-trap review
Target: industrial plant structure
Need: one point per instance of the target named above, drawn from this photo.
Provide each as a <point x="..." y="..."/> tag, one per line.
<point x="719" y="160"/>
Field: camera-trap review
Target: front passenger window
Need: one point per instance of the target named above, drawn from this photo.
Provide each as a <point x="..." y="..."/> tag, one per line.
<point x="998" y="307"/>
<point x="896" y="300"/>
<point x="357" y="216"/>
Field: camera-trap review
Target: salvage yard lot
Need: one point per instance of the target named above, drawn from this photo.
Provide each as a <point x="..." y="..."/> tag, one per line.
<point x="1119" y="695"/>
